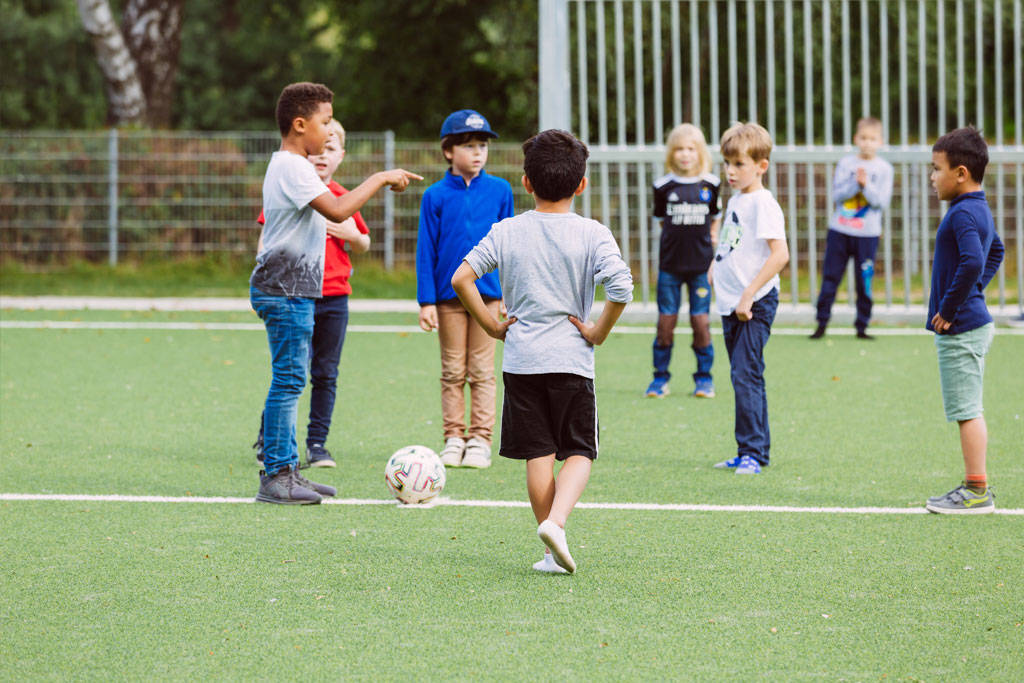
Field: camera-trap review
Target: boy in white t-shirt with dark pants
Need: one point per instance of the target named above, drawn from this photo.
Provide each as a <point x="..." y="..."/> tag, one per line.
<point x="550" y="260"/>
<point x="751" y="253"/>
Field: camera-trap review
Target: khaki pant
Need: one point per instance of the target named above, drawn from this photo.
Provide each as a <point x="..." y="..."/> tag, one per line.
<point x="467" y="354"/>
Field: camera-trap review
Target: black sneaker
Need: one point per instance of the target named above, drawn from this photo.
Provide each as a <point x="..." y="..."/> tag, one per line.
<point x="818" y="333"/>
<point x="318" y="456"/>
<point x="861" y="334"/>
<point x="322" y="489"/>
<point x="259" y="447"/>
<point x="284" y="488"/>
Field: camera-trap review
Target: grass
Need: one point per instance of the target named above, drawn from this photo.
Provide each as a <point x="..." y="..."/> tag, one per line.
<point x="95" y="590"/>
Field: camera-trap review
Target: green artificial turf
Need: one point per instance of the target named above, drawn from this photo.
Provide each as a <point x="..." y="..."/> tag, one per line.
<point x="94" y="590"/>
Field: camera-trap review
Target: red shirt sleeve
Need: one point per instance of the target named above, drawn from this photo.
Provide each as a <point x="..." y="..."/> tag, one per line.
<point x="261" y="220"/>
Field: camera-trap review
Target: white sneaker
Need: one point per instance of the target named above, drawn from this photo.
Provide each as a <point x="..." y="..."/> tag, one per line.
<point x="451" y="454"/>
<point x="554" y="538"/>
<point x="478" y="454"/>
<point x="548" y="565"/>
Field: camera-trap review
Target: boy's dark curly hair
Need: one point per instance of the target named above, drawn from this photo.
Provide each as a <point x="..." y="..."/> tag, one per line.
<point x="965" y="147"/>
<point x="300" y="100"/>
<point x="555" y="162"/>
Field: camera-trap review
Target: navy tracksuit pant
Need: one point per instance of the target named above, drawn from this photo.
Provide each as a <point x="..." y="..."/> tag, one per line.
<point x="839" y="249"/>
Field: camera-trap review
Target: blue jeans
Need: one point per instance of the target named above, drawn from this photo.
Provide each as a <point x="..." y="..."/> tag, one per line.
<point x="839" y="249"/>
<point x="670" y="292"/>
<point x="330" y="320"/>
<point x="745" y="342"/>
<point x="289" y="323"/>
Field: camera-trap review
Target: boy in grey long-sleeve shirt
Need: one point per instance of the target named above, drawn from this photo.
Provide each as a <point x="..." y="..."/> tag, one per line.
<point x="862" y="189"/>
<point x="550" y="261"/>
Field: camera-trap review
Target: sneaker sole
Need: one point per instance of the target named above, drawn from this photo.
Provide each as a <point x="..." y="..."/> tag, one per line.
<point x="323" y="463"/>
<point x="704" y="394"/>
<point x="476" y="466"/>
<point x="561" y="555"/>
<point x="654" y="394"/>
<point x="260" y="498"/>
<point x="987" y="510"/>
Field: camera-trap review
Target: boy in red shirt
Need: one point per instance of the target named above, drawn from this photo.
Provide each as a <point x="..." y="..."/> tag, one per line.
<point x="330" y="318"/>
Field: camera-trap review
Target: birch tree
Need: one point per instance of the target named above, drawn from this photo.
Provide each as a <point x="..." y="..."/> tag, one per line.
<point x="139" y="58"/>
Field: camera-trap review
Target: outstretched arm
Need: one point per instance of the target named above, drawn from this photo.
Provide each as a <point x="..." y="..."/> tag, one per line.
<point x="340" y="209"/>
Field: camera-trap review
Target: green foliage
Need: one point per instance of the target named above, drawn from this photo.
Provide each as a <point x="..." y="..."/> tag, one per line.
<point x="399" y="65"/>
<point x="50" y="77"/>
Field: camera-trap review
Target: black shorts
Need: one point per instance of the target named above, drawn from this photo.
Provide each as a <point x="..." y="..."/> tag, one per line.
<point x="550" y="413"/>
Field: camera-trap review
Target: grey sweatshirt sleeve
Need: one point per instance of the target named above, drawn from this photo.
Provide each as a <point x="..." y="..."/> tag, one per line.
<point x="483" y="258"/>
<point x="610" y="271"/>
<point x="844" y="182"/>
<point x="878" y="191"/>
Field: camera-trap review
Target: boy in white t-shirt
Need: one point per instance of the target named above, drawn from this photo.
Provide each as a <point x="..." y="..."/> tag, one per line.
<point x="751" y="253"/>
<point x="289" y="275"/>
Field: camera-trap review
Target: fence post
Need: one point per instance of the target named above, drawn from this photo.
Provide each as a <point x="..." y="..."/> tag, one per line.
<point x="112" y="196"/>
<point x="553" y="62"/>
<point x="389" y="203"/>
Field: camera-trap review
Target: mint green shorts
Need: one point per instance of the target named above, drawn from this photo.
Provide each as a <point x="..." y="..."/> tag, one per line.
<point x="962" y="371"/>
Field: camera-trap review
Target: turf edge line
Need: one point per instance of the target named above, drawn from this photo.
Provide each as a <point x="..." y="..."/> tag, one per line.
<point x="662" y="507"/>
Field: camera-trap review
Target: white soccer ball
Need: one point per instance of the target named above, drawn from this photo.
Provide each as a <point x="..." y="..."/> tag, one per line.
<point x="414" y="474"/>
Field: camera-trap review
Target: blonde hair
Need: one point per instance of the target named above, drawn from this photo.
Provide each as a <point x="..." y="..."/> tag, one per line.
<point x="335" y="127"/>
<point x="869" y="122"/>
<point x="746" y="138"/>
<point x="687" y="131"/>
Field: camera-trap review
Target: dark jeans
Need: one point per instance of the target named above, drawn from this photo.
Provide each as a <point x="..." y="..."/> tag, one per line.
<point x="330" y="323"/>
<point x="745" y="342"/>
<point x="289" y="323"/>
<point x="839" y="249"/>
<point x="330" y="320"/>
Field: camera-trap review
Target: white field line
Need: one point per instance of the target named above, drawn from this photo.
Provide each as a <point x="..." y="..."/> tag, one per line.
<point x="409" y="329"/>
<point x="448" y="502"/>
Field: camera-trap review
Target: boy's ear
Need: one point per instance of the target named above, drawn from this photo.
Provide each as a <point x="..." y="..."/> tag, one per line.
<point x="763" y="165"/>
<point x="527" y="185"/>
<point x="581" y="187"/>
<point x="962" y="174"/>
<point x="299" y="125"/>
<point x="448" y="153"/>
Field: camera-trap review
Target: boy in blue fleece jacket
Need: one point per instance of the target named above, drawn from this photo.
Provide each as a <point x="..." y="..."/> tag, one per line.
<point x="455" y="214"/>
<point x="967" y="255"/>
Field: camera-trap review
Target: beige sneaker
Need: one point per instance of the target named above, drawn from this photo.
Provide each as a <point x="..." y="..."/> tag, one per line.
<point x="478" y="454"/>
<point x="451" y="454"/>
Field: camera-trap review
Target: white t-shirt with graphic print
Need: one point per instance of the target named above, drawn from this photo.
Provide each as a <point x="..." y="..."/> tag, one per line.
<point x="750" y="220"/>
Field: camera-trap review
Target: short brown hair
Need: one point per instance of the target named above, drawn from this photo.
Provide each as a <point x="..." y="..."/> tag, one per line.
<point x="300" y="101"/>
<point x="868" y="122"/>
<point x="965" y="147"/>
<point x="746" y="138"/>
<point x="555" y="163"/>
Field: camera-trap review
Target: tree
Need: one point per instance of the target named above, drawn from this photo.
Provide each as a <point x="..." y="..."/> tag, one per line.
<point x="139" y="60"/>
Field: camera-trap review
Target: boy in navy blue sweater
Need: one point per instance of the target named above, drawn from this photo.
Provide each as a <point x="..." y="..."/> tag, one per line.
<point x="967" y="255"/>
<point x="455" y="214"/>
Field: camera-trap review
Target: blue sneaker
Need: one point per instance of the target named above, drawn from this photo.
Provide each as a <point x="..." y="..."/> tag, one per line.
<point x="705" y="389"/>
<point x="658" y="388"/>
<point x="731" y="463"/>
<point x="748" y="465"/>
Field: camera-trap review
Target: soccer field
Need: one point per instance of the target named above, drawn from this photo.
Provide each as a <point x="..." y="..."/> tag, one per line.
<point x="175" y="587"/>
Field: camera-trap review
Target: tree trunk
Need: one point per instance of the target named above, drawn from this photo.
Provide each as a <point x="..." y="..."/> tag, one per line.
<point x="126" y="102"/>
<point x="140" y="60"/>
<point x="152" y="30"/>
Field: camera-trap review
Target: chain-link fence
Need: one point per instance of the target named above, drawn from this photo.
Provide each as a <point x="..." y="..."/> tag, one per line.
<point x="132" y="195"/>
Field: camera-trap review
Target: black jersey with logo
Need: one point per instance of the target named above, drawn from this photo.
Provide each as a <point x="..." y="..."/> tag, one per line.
<point x="686" y="205"/>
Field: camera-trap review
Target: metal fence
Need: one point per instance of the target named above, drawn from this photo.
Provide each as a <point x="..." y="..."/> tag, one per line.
<point x="621" y="72"/>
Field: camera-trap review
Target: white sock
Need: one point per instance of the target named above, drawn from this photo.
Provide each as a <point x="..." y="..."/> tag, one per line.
<point x="548" y="565"/>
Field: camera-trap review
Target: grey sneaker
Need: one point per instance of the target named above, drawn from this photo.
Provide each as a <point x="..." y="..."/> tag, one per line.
<point x="963" y="501"/>
<point x="936" y="499"/>
<point x="322" y="489"/>
<point x="451" y="454"/>
<point x="318" y="456"/>
<point x="284" y="489"/>
<point x="478" y="454"/>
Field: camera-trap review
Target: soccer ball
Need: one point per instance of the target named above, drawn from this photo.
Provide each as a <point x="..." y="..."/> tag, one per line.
<point x="414" y="474"/>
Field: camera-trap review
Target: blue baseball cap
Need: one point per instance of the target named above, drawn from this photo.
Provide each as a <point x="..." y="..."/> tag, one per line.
<point x="466" y="121"/>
